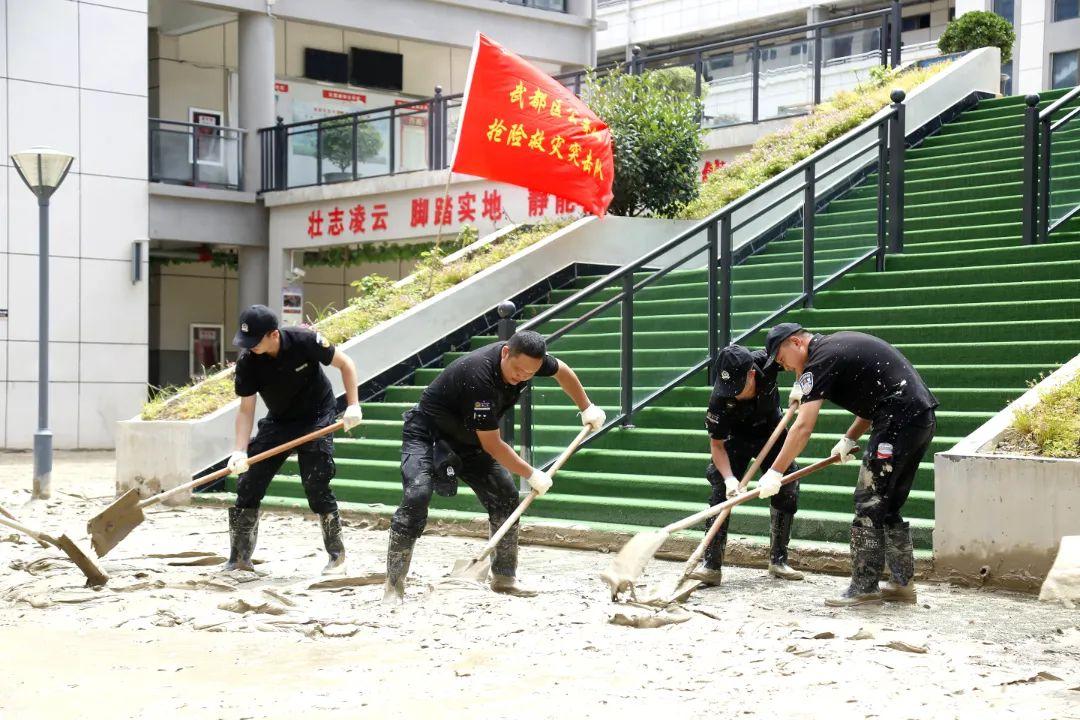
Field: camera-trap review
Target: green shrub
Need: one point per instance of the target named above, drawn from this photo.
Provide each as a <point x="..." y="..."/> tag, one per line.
<point x="656" y="132"/>
<point x="978" y="29"/>
<point x="1051" y="428"/>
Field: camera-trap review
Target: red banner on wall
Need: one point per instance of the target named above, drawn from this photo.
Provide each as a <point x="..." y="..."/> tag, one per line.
<point x="521" y="126"/>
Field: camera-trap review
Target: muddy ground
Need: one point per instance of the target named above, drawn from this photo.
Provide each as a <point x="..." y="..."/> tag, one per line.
<point x="172" y="637"/>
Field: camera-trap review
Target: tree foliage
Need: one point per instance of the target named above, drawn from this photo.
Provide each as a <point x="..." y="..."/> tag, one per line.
<point x="978" y="29"/>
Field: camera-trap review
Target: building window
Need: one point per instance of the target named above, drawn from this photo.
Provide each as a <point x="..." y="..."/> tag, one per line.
<point x="1066" y="69"/>
<point x="1007" y="80"/>
<point x="1005" y="8"/>
<point x="841" y="46"/>
<point x="1066" y="10"/>
<point x="915" y="22"/>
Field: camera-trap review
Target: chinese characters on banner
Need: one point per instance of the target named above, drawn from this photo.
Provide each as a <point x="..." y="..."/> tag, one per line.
<point x="520" y="126"/>
<point x="380" y="219"/>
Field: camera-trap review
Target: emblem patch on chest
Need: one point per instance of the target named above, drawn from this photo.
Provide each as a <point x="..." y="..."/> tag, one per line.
<point x="806" y="382"/>
<point x="725" y="375"/>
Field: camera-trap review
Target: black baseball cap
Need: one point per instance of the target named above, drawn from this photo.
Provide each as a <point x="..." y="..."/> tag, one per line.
<point x="777" y="335"/>
<point x="732" y="365"/>
<point x="255" y="323"/>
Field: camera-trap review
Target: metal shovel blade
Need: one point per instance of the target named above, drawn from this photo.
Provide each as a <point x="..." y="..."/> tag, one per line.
<point x="111" y="525"/>
<point x="472" y="569"/>
<point x="628" y="564"/>
<point x="94" y="575"/>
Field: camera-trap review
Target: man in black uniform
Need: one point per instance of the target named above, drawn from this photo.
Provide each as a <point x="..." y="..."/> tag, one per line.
<point x="453" y="433"/>
<point x="283" y="367"/>
<point x="873" y="380"/>
<point x="743" y="411"/>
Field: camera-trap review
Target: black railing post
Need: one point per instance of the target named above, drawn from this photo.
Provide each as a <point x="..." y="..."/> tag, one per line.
<point x="896" y="25"/>
<point x="506" y="327"/>
<point x="626" y="351"/>
<point x="241" y="159"/>
<point x="391" y="135"/>
<point x="755" y="81"/>
<point x="1031" y="179"/>
<point x="818" y="64"/>
<point x="896" y="173"/>
<point x="318" y="153"/>
<point x="883" y="40"/>
<point x="714" y="298"/>
<point x="354" y="154"/>
<point x="699" y="70"/>
<point x="725" y="280"/>
<point x="281" y="155"/>
<point x="1044" y="179"/>
<point x="635" y="66"/>
<point x="195" y="156"/>
<point x="526" y="425"/>
<point x="809" y="200"/>
<point x="436" y="129"/>
<point x="882" y="173"/>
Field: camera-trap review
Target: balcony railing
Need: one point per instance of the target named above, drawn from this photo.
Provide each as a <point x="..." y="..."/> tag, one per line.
<point x="750" y="79"/>
<point x="183" y="153"/>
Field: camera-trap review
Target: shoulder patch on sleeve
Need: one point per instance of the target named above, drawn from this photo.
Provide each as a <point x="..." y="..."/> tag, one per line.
<point x="806" y="382"/>
<point x="321" y="340"/>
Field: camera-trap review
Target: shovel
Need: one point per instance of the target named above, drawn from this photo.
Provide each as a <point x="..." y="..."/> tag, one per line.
<point x="626" y="567"/>
<point x="94" y="575"/>
<point x="477" y="568"/>
<point x="683" y="587"/>
<point x="113" y="524"/>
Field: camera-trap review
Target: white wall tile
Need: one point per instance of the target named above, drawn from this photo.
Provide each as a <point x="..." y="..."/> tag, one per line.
<point x="114" y="134"/>
<point x="112" y="50"/>
<point x="4" y="294"/>
<point x="22" y="414"/>
<point x="134" y="5"/>
<point x="23" y="361"/>
<point x="3" y="407"/>
<point x="101" y="406"/>
<point x="3" y="51"/>
<point x="4" y="158"/>
<point x="113" y="363"/>
<point x="114" y="213"/>
<point x="63" y="298"/>
<point x="63" y="217"/>
<point x="3" y="225"/>
<point x="46" y="115"/>
<point x="43" y="41"/>
<point x="111" y="308"/>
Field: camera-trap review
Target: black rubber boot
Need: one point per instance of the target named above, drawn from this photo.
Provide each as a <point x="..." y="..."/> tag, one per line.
<point x="867" y="562"/>
<point x="243" y="534"/>
<point x="780" y="535"/>
<point x="711" y="573"/>
<point x="901" y="558"/>
<point x="335" y="548"/>
<point x="504" y="563"/>
<point x="398" y="557"/>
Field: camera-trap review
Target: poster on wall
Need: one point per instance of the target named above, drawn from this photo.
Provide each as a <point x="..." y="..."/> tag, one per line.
<point x="211" y="151"/>
<point x="204" y="348"/>
<point x="292" y="305"/>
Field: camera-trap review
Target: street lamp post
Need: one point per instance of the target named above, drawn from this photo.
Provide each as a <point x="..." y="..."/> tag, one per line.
<point x="43" y="169"/>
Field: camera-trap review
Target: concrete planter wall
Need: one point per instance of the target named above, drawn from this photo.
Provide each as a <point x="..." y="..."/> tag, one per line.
<point x="1000" y="518"/>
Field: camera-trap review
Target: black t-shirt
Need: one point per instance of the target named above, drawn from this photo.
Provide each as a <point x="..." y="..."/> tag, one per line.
<point x="864" y="375"/>
<point x="293" y="385"/>
<point x="760" y="414"/>
<point x="470" y="394"/>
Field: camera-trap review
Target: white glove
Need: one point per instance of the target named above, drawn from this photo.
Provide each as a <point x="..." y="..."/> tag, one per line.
<point x="795" y="396"/>
<point x="769" y="484"/>
<point x="352" y="417"/>
<point x="843" y="448"/>
<point x="593" y="418"/>
<point x="539" y="481"/>
<point x="731" y="484"/>
<point x="238" y="462"/>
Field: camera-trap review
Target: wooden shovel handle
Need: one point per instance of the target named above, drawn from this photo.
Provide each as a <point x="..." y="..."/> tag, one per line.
<point x="740" y="499"/>
<point x="524" y="505"/>
<point x="206" y="479"/>
<point x="15" y="525"/>
<point x="714" y="529"/>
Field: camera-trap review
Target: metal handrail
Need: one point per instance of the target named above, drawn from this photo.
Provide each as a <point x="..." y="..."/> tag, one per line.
<point x="195" y="132"/>
<point x="1039" y="128"/>
<point x="887" y="125"/>
<point x="274" y="140"/>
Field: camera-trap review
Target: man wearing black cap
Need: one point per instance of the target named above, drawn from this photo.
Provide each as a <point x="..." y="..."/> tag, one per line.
<point x="283" y="366"/>
<point x="743" y="411"/>
<point x="873" y="380"/>
<point x="453" y="433"/>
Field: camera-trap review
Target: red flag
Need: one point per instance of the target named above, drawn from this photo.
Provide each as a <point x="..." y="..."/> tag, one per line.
<point x="521" y="126"/>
